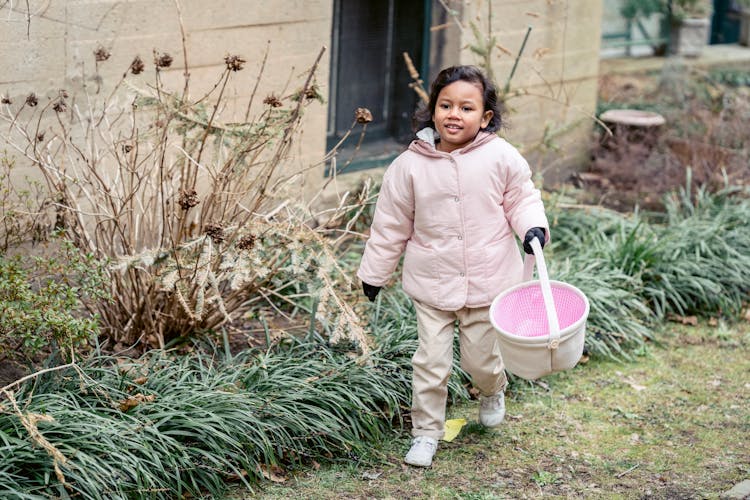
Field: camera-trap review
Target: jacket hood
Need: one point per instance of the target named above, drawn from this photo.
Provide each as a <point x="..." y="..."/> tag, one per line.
<point x="427" y="137"/>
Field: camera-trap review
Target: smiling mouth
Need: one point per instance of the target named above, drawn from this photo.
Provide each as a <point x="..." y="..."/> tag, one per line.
<point x="452" y="126"/>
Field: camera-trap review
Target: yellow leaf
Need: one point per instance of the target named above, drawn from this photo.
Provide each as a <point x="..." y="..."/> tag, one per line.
<point x="133" y="401"/>
<point x="452" y="428"/>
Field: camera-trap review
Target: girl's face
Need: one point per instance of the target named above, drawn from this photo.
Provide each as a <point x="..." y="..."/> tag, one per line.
<point x="459" y="114"/>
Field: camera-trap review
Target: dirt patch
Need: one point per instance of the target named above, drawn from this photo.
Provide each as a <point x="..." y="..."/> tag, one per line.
<point x="10" y="372"/>
<point x="626" y="172"/>
<point x="703" y="143"/>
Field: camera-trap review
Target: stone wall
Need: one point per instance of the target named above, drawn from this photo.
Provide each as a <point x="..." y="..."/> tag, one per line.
<point x="51" y="46"/>
<point x="554" y="88"/>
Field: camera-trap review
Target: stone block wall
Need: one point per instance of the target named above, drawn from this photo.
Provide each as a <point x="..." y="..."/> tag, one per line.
<point x="51" y="46"/>
<point x="553" y="91"/>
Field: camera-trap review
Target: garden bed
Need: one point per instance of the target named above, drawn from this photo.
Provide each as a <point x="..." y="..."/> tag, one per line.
<point x="327" y="378"/>
<point x="706" y="114"/>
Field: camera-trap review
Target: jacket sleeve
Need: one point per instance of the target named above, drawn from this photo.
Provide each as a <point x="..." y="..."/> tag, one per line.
<point x="392" y="226"/>
<point x="522" y="201"/>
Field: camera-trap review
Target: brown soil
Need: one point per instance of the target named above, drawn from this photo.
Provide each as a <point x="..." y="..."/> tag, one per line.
<point x="10" y="372"/>
<point x="637" y="166"/>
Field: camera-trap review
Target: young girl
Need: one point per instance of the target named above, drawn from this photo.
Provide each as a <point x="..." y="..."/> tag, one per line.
<point x="451" y="204"/>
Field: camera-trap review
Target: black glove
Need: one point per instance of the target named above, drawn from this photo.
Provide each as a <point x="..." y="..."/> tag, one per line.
<point x="370" y="291"/>
<point x="534" y="232"/>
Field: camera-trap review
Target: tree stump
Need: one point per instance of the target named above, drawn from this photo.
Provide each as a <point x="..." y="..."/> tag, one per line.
<point x="634" y="133"/>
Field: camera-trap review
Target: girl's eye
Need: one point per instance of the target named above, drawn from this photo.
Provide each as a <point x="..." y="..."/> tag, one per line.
<point x="444" y="106"/>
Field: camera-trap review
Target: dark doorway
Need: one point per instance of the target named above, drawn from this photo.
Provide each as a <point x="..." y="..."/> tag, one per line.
<point x="725" y="24"/>
<point x="369" y="38"/>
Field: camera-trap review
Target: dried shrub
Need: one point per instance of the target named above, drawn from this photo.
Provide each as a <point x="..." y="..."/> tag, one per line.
<point x="201" y="218"/>
<point x="24" y="211"/>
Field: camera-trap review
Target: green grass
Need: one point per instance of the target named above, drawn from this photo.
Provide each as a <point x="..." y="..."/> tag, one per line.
<point x="673" y="425"/>
<point x="204" y="420"/>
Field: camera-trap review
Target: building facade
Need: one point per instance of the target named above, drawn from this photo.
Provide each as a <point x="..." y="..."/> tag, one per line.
<point x="551" y="47"/>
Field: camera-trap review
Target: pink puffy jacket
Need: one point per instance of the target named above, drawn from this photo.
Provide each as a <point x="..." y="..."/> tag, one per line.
<point x="453" y="215"/>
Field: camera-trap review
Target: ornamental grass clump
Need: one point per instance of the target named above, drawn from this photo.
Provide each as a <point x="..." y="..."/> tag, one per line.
<point x="704" y="257"/>
<point x="636" y="271"/>
<point x="592" y="249"/>
<point x="163" y="426"/>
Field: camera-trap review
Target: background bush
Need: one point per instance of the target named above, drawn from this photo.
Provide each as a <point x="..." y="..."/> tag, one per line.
<point x="42" y="303"/>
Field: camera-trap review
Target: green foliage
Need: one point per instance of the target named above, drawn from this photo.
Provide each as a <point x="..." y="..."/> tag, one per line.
<point x="734" y="77"/>
<point x="694" y="260"/>
<point x="593" y="250"/>
<point x="543" y="478"/>
<point x="690" y="8"/>
<point x="706" y="256"/>
<point x="618" y="319"/>
<point x="41" y="303"/>
<point x="161" y="426"/>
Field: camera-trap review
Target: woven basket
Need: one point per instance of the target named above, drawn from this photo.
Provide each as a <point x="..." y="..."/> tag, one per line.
<point x="541" y="324"/>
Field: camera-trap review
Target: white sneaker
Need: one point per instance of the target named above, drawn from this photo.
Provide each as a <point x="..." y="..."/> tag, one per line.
<point x="422" y="450"/>
<point x="492" y="410"/>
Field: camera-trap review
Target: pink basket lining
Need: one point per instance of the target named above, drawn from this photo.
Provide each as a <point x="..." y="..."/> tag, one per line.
<point x="521" y="312"/>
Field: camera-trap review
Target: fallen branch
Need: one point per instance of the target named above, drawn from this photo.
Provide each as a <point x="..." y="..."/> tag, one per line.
<point x="627" y="471"/>
<point x="21" y="380"/>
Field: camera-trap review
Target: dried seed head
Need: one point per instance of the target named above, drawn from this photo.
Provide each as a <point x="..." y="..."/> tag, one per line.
<point x="363" y="115"/>
<point x="246" y="242"/>
<point x="32" y="100"/>
<point x="40" y="136"/>
<point x="60" y="106"/>
<point x="137" y="66"/>
<point x="188" y="199"/>
<point x="127" y="148"/>
<point x="215" y="232"/>
<point x="234" y="63"/>
<point x="308" y="93"/>
<point x="162" y="60"/>
<point x="5" y="100"/>
<point x="311" y="93"/>
<point x="101" y="54"/>
<point x="273" y="101"/>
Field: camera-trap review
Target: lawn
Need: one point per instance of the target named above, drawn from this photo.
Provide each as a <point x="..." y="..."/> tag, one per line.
<point x="672" y="424"/>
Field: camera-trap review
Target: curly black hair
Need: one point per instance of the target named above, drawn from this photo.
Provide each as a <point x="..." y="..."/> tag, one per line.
<point x="423" y="114"/>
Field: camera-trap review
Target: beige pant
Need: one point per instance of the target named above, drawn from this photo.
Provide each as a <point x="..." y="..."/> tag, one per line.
<point x="432" y="363"/>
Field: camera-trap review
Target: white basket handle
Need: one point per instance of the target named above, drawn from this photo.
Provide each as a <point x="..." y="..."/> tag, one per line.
<point x="549" y="303"/>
